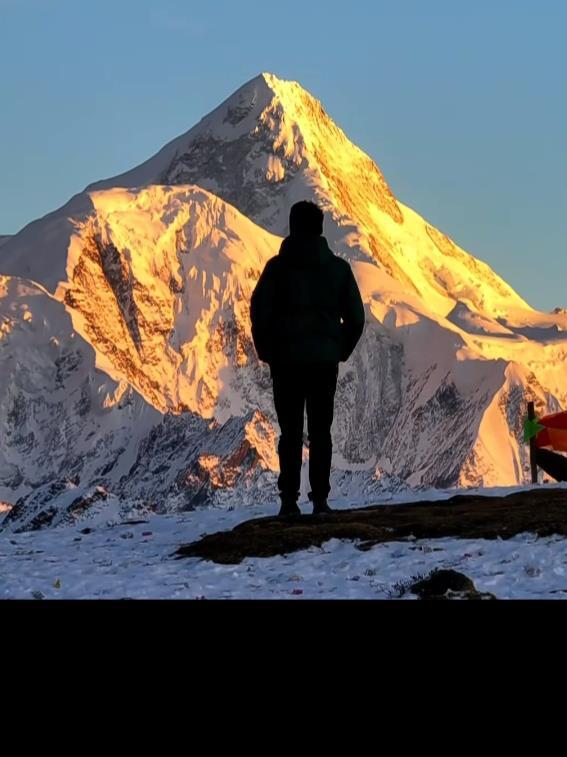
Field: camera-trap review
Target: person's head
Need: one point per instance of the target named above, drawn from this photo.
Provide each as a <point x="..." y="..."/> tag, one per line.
<point x="306" y="220"/>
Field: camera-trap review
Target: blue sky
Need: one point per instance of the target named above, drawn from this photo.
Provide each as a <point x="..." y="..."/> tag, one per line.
<point x="463" y="105"/>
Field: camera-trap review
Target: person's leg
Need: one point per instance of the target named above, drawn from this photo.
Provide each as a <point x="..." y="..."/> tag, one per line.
<point x="289" y="400"/>
<point x="320" y="408"/>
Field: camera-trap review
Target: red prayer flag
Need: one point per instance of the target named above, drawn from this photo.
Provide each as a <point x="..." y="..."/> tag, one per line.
<point x="554" y="434"/>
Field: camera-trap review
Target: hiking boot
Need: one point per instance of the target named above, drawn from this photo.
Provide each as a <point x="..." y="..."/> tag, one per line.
<point x="289" y="509"/>
<point x="321" y="507"/>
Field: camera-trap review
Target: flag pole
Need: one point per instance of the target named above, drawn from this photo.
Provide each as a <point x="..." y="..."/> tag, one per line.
<point x="533" y="464"/>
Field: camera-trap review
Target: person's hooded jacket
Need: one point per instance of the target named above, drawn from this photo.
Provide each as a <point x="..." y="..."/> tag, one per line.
<point x="306" y="307"/>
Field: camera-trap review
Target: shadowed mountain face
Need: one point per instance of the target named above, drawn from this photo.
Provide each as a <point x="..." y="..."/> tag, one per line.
<point x="155" y="268"/>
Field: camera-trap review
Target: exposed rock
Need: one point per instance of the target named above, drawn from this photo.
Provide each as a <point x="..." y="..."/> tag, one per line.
<point x="447" y="584"/>
<point x="538" y="511"/>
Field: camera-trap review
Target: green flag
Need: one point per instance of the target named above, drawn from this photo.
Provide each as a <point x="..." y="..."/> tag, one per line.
<point x="531" y="428"/>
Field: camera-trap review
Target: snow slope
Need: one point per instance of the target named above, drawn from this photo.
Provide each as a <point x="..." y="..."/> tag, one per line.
<point x="121" y="558"/>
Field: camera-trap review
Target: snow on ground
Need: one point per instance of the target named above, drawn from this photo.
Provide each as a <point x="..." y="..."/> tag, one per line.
<point x="134" y="560"/>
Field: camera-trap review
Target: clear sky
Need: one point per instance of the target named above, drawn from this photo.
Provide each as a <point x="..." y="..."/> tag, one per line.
<point x="462" y="104"/>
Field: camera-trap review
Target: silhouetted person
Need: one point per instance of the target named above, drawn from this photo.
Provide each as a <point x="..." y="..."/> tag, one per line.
<point x="307" y="316"/>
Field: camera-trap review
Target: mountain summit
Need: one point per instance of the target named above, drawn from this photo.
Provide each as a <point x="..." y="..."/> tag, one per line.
<point x="272" y="143"/>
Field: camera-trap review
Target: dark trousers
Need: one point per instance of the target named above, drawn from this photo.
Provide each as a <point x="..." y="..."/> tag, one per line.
<point x="295" y="387"/>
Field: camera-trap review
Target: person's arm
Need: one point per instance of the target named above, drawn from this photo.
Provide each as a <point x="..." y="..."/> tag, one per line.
<point x="352" y="314"/>
<point x="262" y="311"/>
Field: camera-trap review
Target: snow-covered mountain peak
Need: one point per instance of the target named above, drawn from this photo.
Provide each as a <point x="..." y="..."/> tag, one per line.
<point x="151" y="274"/>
